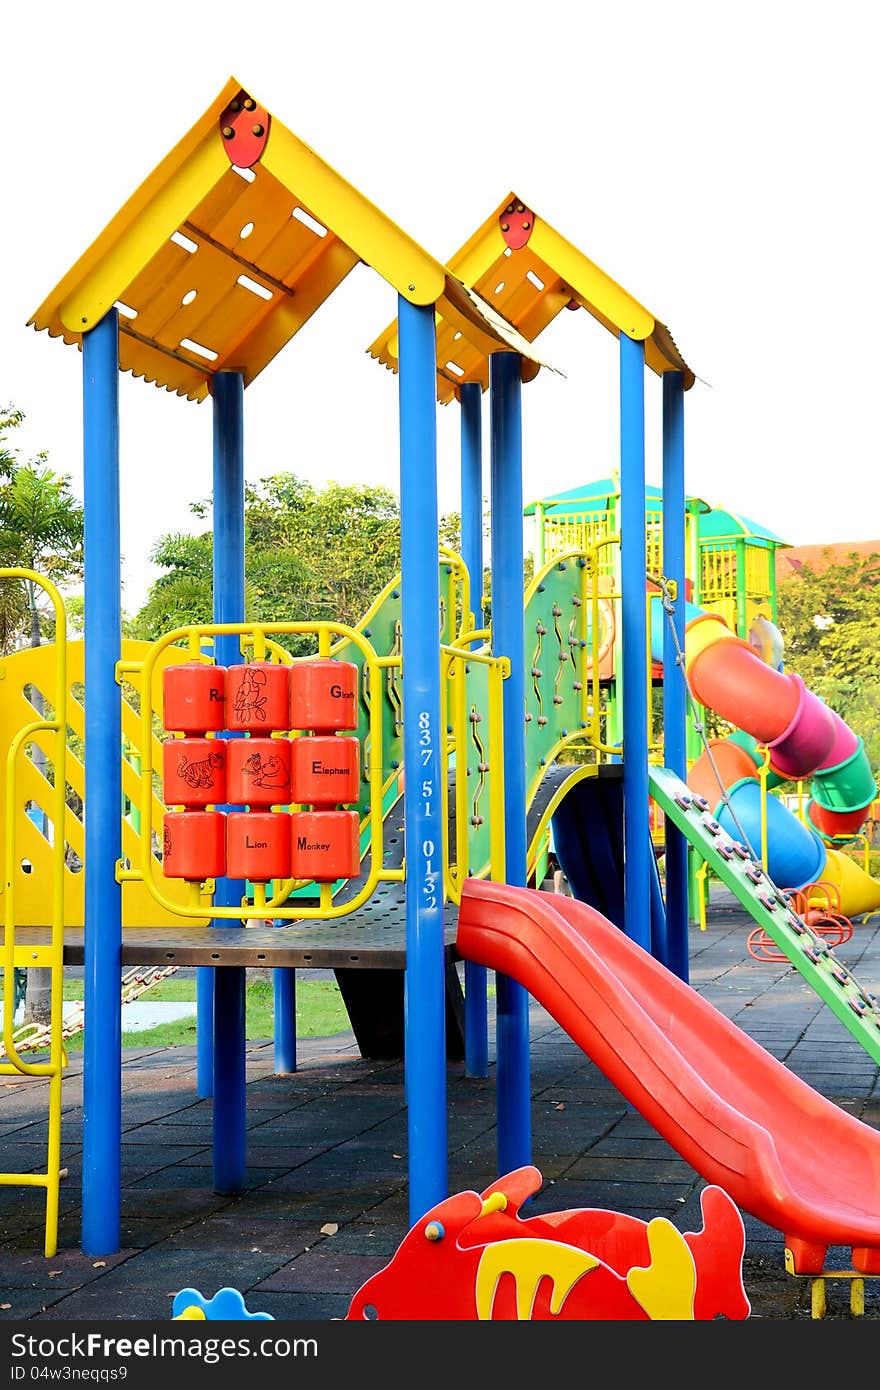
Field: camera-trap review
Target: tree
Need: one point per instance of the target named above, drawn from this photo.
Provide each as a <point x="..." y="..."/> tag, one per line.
<point x="183" y="593"/>
<point x="344" y="538"/>
<point x="41" y="529"/>
<point x="311" y="555"/>
<point x="830" y="621"/>
<point x="11" y="595"/>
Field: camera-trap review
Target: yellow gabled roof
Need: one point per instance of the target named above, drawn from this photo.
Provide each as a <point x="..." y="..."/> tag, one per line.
<point x="231" y="244"/>
<point x="529" y="273"/>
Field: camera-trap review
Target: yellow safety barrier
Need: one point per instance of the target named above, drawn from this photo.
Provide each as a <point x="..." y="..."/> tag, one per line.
<point x="596" y="566"/>
<point x="51" y="956"/>
<point x="26" y="677"/>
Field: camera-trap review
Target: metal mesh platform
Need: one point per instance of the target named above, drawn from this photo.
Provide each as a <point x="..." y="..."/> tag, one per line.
<point x="373" y="941"/>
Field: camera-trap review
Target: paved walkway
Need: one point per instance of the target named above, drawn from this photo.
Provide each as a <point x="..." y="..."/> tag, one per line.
<point x="326" y="1199"/>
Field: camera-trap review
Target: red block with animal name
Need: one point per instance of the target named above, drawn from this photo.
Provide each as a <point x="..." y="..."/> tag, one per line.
<point x="194" y="698"/>
<point x="194" y="845"/>
<point x="194" y="772"/>
<point x="325" y="770"/>
<point x="258" y="771"/>
<point x="258" y="845"/>
<point x="323" y="695"/>
<point x="325" y="845"/>
<point x="257" y="697"/>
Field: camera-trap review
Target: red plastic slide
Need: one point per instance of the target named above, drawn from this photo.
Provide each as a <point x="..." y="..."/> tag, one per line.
<point x="783" y="1152"/>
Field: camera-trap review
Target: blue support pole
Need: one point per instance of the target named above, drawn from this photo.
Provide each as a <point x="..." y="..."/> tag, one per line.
<point x="636" y="829"/>
<point x="425" y="984"/>
<point x="476" y="1032"/>
<point x="472" y="491"/>
<point x="204" y="1032"/>
<point x="674" y="692"/>
<point x="284" y="995"/>
<point x="229" y="983"/>
<point x="508" y="639"/>
<point x="102" y="1064"/>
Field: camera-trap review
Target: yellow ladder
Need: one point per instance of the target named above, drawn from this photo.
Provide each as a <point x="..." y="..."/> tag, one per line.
<point x="52" y="955"/>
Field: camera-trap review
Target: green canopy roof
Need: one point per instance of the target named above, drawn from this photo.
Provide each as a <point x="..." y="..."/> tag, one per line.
<point x="716" y="523"/>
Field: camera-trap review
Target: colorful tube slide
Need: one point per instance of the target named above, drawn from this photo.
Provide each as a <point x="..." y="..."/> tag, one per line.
<point x="775" y="710"/>
<point x="739" y="1117"/>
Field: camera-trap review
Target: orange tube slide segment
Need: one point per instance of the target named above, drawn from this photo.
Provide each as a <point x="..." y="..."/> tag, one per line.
<point x="733" y="764"/>
<point x="729" y="677"/>
<point x="835" y="824"/>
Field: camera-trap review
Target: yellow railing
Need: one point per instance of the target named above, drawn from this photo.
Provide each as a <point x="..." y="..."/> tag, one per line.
<point x="457" y="713"/>
<point x="717" y="573"/>
<point x="583" y="531"/>
<point x="52" y="955"/>
<point x="578" y="531"/>
<point x="597" y="564"/>
<point x="758" y="583"/>
<point x="461" y="590"/>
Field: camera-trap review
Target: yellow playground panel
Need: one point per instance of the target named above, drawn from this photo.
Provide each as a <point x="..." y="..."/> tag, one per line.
<point x="27" y="686"/>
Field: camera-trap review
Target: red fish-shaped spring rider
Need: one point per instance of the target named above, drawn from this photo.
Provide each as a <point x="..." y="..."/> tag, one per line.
<point x="473" y="1257"/>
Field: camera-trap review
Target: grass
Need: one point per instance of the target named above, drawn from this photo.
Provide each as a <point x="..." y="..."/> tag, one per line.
<point x="320" y="1012"/>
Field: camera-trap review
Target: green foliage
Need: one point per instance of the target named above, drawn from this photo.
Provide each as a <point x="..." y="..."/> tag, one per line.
<point x="311" y="555"/>
<point x="183" y="593"/>
<point x="10" y="419"/>
<point x="831" y="625"/>
<point x="41" y="528"/>
<point x="450" y="531"/>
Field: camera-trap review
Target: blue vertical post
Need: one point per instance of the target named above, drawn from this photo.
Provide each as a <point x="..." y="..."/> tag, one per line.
<point x="229" y="982"/>
<point x="425" y="983"/>
<point x="284" y="996"/>
<point x="472" y="491"/>
<point x="508" y="639"/>
<point x="102" y="1063"/>
<point x="204" y="1031"/>
<point x="674" y="693"/>
<point x="636" y="829"/>
<point x="476" y="1032"/>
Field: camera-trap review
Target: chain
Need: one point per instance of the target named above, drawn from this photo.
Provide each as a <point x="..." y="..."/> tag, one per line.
<point x="697" y="723"/>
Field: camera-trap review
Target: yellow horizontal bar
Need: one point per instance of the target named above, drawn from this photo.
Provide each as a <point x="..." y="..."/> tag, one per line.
<point x="32" y="957"/>
<point x="30" y="1069"/>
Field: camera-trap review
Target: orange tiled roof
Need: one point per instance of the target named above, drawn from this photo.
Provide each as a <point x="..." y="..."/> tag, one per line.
<point x="790" y="563"/>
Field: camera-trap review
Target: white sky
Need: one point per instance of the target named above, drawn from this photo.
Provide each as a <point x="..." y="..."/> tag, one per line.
<point x="720" y="161"/>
